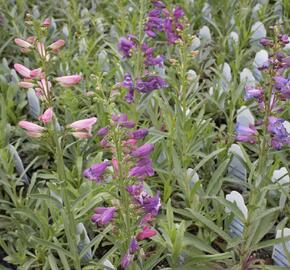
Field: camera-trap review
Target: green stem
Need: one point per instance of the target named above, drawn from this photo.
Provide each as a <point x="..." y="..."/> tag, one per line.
<point x="124" y="202"/>
<point x="68" y="212"/>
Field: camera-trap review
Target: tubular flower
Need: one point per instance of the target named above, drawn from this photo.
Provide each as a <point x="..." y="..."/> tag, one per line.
<point x="143" y="150"/>
<point x="126" y="45"/>
<point x="147" y="232"/>
<point x="150" y="83"/>
<point x="22" y="43"/>
<point x="68" y="81"/>
<point x="56" y="45"/>
<point x="96" y="171"/>
<point x="103" y="215"/>
<point x="33" y="130"/>
<point x="246" y="134"/>
<point x="252" y="92"/>
<point x="46" y="117"/>
<point x="126" y="260"/>
<point x="22" y="70"/>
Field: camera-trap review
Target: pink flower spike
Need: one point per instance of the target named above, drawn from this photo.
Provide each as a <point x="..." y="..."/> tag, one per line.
<point x="32" y="129"/>
<point x="22" y="70"/>
<point x="56" y="45"/>
<point x="46" y="22"/>
<point x="26" y="84"/>
<point x="22" y="43"/>
<point x="67" y="81"/>
<point x="85" y="124"/>
<point x="46" y="116"/>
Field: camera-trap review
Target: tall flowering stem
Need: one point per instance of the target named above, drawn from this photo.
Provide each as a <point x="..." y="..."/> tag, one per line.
<point x="43" y="84"/>
<point x="133" y="208"/>
<point x="270" y="132"/>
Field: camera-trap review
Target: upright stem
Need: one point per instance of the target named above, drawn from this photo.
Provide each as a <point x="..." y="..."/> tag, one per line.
<point x="124" y="202"/>
<point x="69" y="215"/>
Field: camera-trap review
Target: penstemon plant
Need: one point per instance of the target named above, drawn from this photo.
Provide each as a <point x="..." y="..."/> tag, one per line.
<point x="269" y="132"/>
<point x="133" y="207"/>
<point x="42" y="81"/>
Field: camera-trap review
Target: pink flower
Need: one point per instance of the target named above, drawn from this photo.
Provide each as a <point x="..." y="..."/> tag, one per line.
<point x="41" y="50"/>
<point x="46" y="22"/>
<point x="67" y="81"/>
<point x="146" y="233"/>
<point x="56" y="45"/>
<point x="37" y="73"/>
<point x="81" y="135"/>
<point x="44" y="88"/>
<point x="25" y="84"/>
<point x="22" y="70"/>
<point x="22" y="43"/>
<point x="83" y="128"/>
<point x="32" y="129"/>
<point x="31" y="39"/>
<point x="46" y="116"/>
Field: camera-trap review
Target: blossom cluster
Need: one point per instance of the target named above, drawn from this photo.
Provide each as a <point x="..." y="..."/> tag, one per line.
<point x="159" y="20"/>
<point x="271" y="96"/>
<point x="39" y="80"/>
<point x="134" y="167"/>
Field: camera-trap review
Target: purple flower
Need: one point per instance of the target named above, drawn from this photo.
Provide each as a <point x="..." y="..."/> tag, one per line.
<point x="152" y="204"/>
<point x="142" y="171"/>
<point x="103" y="215"/>
<point x="103" y="131"/>
<point x="96" y="171"/>
<point x="246" y="134"/>
<point x="126" y="45"/>
<point x="133" y="246"/>
<point x="277" y="128"/>
<point x="284" y="39"/>
<point x="126" y="260"/>
<point x="150" y="60"/>
<point x="252" y="92"/>
<point x="266" y="42"/>
<point x="135" y="190"/>
<point x="138" y="134"/>
<point x="148" y="84"/>
<point x="178" y="13"/>
<point x="159" y="4"/>
<point x="128" y="83"/>
<point x="286" y="62"/>
<point x="143" y="150"/>
<point x="122" y="120"/>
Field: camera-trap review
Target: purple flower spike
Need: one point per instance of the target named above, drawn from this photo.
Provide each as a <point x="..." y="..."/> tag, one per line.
<point x="246" y="134"/>
<point x="103" y="131"/>
<point x="143" y="150"/>
<point x="139" y="134"/>
<point x="96" y="171"/>
<point x="103" y="215"/>
<point x="133" y="245"/>
<point x="126" y="260"/>
<point x="128" y="83"/>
